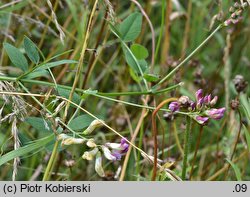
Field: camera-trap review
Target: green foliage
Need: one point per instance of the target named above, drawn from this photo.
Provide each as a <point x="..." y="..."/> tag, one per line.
<point x="80" y="122"/>
<point x="130" y="28"/>
<point x="139" y="51"/>
<point x="56" y="63"/>
<point x="236" y="170"/>
<point x="41" y="125"/>
<point x="16" y="57"/>
<point x="31" y="50"/>
<point x="37" y="73"/>
<point x="32" y="147"/>
<point x="245" y="101"/>
<point x="151" y="77"/>
<point x="247" y="136"/>
<point x="65" y="93"/>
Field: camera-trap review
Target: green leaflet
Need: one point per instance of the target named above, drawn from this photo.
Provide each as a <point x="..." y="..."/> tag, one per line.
<point x="130" y="28"/>
<point x="16" y="57"/>
<point x="32" y="147"/>
<point x="31" y="50"/>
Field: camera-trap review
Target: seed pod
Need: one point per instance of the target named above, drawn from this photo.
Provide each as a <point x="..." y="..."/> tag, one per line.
<point x="240" y="83"/>
<point x="89" y="155"/>
<point x="235" y="104"/>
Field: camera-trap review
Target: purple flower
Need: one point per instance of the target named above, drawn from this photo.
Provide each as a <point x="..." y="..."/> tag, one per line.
<point x="108" y="154"/>
<point x="200" y="103"/>
<point x="117" y="154"/>
<point x="201" y="120"/>
<point x="216" y="113"/>
<point x="174" y="106"/>
<point x="124" y="145"/>
<point x="118" y="149"/>
<point x="207" y="99"/>
<point x="198" y="94"/>
<point x="228" y="22"/>
<point x="214" y="101"/>
<point x="192" y="106"/>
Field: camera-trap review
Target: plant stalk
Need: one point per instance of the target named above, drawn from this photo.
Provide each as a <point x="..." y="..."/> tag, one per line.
<point x="186" y="148"/>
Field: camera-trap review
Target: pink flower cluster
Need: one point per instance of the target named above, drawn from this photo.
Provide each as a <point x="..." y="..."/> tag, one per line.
<point x="203" y="106"/>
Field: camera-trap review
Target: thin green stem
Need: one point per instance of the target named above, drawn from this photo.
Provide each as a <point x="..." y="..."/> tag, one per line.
<point x="195" y="152"/>
<point x="189" y="57"/>
<point x="186" y="148"/>
<point x="235" y="143"/>
<point x="51" y="160"/>
<point x="5" y="78"/>
<point x="163" y="5"/>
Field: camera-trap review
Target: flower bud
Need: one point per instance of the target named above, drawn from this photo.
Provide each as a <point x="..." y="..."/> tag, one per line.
<point x="233" y="15"/>
<point x="198" y="94"/>
<point x="228" y="22"/>
<point x="236" y="5"/>
<point x="98" y="165"/>
<point x="214" y="101"/>
<point x="192" y="106"/>
<point x="94" y="124"/>
<point x="207" y="99"/>
<point x="200" y="103"/>
<point x="231" y="9"/>
<point x="89" y="155"/>
<point x="71" y="140"/>
<point x="91" y="143"/>
<point x="184" y="101"/>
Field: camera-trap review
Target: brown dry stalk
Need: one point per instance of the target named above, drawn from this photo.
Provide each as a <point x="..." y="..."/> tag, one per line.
<point x="79" y="66"/>
<point x="137" y="129"/>
<point x="154" y="132"/>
